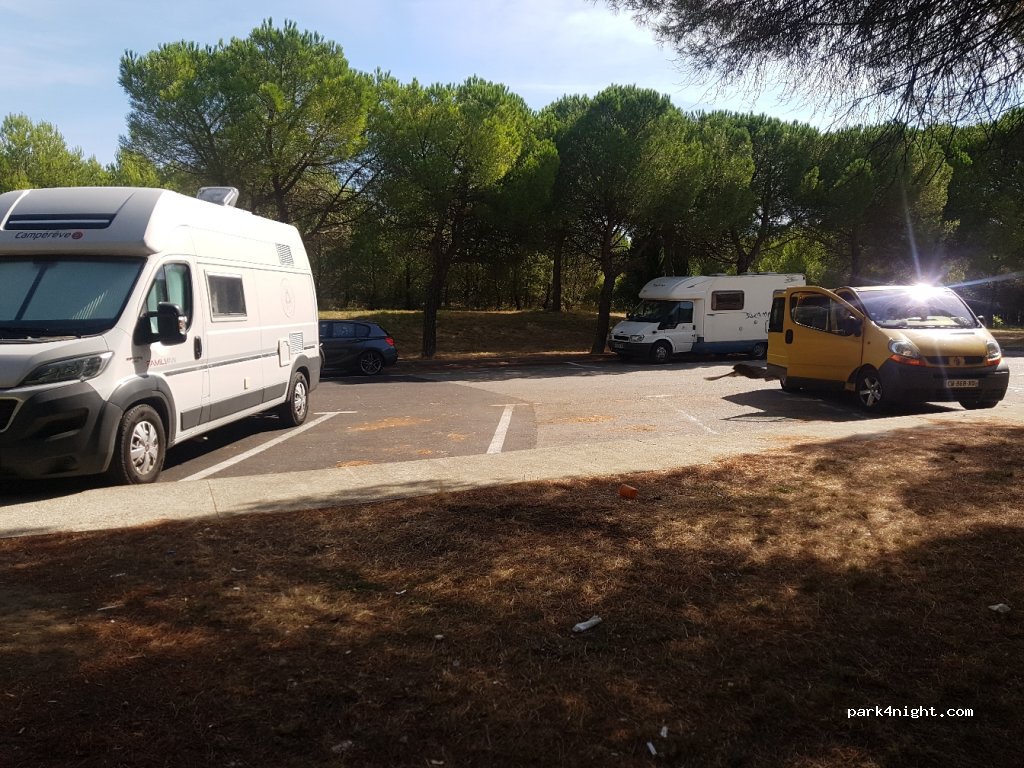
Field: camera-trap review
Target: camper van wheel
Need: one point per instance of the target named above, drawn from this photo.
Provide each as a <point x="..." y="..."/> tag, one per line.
<point x="294" y="410"/>
<point x="786" y="386"/>
<point x="370" y="363"/>
<point x="869" y="390"/>
<point x="760" y="350"/>
<point x="140" y="447"/>
<point x="661" y="352"/>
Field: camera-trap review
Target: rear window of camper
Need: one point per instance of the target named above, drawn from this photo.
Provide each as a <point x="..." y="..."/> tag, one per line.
<point x="726" y="300"/>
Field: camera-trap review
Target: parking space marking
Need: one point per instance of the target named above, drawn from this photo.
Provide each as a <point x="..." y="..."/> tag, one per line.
<point x="699" y="423"/>
<point x="260" y="448"/>
<point x="499" y="434"/>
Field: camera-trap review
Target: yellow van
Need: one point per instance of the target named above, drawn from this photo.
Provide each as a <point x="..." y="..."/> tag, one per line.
<point x="887" y="344"/>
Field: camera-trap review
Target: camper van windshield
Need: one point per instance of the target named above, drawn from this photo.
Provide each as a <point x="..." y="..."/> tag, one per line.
<point x="918" y="307"/>
<point x="652" y="311"/>
<point x="51" y="297"/>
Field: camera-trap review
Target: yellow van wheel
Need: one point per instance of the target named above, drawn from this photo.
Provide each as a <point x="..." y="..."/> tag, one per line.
<point x="869" y="390"/>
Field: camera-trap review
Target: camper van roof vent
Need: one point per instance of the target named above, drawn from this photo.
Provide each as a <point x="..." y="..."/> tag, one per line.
<point x="51" y="221"/>
<point x="284" y="255"/>
<point x="219" y="195"/>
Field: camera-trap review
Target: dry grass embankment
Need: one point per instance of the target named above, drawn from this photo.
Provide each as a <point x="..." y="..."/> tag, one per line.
<point x="746" y="606"/>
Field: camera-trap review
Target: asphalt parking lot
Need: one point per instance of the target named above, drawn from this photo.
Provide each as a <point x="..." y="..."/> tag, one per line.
<point x="426" y="431"/>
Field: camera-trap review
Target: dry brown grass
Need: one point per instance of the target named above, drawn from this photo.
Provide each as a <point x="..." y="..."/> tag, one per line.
<point x="746" y="606"/>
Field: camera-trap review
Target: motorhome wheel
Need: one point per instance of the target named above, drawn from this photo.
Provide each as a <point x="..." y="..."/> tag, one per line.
<point x="294" y="410"/>
<point x="140" y="447"/>
<point x="661" y="352"/>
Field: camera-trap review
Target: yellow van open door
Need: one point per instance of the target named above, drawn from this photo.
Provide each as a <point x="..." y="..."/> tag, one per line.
<point x="819" y="341"/>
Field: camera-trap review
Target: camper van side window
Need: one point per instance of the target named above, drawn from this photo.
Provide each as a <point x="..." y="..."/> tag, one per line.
<point x="726" y="300"/>
<point x="173" y="283"/>
<point x="227" y="299"/>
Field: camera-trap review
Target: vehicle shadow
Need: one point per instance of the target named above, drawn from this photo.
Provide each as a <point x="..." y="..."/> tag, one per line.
<point x="820" y="406"/>
<point x="596" y="365"/>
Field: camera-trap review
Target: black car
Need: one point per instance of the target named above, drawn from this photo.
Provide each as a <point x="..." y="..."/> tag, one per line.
<point x="355" y="345"/>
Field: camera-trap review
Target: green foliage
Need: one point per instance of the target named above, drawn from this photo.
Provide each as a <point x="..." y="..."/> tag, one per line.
<point x="445" y="158"/>
<point x="36" y="155"/>
<point x="458" y="195"/>
<point x="279" y="114"/>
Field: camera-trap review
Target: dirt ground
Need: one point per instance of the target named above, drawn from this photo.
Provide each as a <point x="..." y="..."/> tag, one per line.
<point x="745" y="608"/>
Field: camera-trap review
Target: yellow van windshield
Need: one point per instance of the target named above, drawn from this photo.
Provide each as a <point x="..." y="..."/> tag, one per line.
<point x="918" y="307"/>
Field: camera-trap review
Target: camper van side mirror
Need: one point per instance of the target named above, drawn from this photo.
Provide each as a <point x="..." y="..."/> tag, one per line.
<point x="171" y="323"/>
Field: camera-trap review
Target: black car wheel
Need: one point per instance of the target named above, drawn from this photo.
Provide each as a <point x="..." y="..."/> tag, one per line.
<point x="370" y="363"/>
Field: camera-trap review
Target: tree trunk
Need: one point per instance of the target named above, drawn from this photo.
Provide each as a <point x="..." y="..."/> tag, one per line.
<point x="431" y="303"/>
<point x="604" y="311"/>
<point x="556" y="274"/>
<point x="604" y="305"/>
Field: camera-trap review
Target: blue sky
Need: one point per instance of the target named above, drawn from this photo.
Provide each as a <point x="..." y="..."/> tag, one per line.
<point x="60" y="57"/>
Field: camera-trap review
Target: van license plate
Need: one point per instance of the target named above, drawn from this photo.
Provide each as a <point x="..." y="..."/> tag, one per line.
<point x="962" y="383"/>
<point x="618" y="345"/>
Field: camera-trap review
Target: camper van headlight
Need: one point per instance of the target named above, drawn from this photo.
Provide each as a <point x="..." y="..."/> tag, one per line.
<point x="904" y="352"/>
<point x="70" y="369"/>
<point x="636" y="338"/>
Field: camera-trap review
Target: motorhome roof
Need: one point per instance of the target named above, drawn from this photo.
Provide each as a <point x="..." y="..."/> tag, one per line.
<point x="119" y="221"/>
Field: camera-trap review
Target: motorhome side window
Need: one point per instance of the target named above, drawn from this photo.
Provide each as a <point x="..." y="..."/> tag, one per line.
<point x="227" y="298"/>
<point x="726" y="300"/>
<point x="173" y="283"/>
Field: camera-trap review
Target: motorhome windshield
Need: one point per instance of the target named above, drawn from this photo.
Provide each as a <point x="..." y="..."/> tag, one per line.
<point x="918" y="307"/>
<point x="54" y="297"/>
<point x="652" y="311"/>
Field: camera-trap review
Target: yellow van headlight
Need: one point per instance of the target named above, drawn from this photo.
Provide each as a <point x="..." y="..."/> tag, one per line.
<point x="71" y="369"/>
<point x="902" y="351"/>
<point x="992" y="353"/>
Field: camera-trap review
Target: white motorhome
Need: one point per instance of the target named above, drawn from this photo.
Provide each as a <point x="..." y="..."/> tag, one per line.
<point x="712" y="314"/>
<point x="134" y="319"/>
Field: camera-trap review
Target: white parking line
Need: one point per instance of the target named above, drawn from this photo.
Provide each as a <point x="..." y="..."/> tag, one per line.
<point x="700" y="424"/>
<point x="499" y="434"/>
<point x="260" y="448"/>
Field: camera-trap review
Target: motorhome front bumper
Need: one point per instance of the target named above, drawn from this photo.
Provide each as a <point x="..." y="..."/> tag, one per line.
<point x="629" y="348"/>
<point x="66" y="430"/>
<point x="913" y="383"/>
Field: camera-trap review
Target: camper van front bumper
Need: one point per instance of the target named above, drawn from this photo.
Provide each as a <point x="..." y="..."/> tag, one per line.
<point x="912" y="383"/>
<point x="629" y="348"/>
<point x="58" y="431"/>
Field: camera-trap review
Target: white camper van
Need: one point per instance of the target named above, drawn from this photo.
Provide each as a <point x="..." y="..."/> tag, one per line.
<point x="713" y="314"/>
<point x="133" y="319"/>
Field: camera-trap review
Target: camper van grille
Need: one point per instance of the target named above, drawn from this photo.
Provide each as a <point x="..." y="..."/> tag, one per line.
<point x="51" y="221"/>
<point x="7" y="408"/>
<point x="295" y="343"/>
<point x="284" y="255"/>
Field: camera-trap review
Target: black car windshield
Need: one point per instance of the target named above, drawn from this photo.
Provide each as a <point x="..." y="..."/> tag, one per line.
<point x="918" y="307"/>
<point x="51" y="297"/>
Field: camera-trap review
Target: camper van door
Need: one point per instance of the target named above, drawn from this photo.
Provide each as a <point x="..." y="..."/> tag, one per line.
<point x="183" y="364"/>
